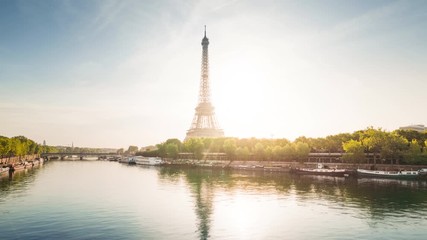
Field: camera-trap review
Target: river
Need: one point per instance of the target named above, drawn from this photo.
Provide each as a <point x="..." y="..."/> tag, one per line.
<point x="109" y="200"/>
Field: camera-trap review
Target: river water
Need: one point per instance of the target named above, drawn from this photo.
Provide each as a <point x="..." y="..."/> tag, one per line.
<point x="109" y="200"/>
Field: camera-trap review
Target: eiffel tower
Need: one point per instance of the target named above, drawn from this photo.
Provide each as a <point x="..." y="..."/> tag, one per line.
<point x="204" y="122"/>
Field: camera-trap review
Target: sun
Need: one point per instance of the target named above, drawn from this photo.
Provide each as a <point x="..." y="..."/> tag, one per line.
<point x="239" y="95"/>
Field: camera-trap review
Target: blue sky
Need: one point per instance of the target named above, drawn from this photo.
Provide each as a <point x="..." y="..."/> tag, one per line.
<point x="115" y="73"/>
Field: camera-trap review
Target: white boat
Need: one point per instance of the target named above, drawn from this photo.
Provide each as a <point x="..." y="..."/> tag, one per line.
<point x="91" y="158"/>
<point x="423" y="171"/>
<point x="321" y="170"/>
<point x="72" y="157"/>
<point x="4" y="169"/>
<point x="147" y="160"/>
<point x="388" y="174"/>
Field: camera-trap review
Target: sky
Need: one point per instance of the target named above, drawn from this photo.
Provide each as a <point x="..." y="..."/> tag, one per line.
<point x="118" y="73"/>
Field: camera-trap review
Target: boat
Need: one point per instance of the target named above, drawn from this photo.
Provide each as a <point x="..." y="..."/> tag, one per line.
<point x="90" y="158"/>
<point x="388" y="174"/>
<point x="4" y="170"/>
<point x="422" y="172"/>
<point x="131" y="161"/>
<point x="152" y="161"/>
<point x="321" y="170"/>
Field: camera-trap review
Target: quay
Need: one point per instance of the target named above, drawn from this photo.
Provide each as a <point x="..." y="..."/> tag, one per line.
<point x="330" y="169"/>
<point x="21" y="166"/>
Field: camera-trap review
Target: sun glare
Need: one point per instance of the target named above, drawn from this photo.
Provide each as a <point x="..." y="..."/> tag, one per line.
<point x="241" y="215"/>
<point x="239" y="94"/>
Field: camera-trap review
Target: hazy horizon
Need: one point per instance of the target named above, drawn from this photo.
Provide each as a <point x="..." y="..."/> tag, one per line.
<point x="118" y="73"/>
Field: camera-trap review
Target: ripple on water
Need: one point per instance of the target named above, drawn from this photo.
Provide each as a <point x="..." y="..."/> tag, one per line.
<point x="105" y="200"/>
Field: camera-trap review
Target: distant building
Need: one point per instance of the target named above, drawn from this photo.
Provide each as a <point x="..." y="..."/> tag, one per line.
<point x="418" y="128"/>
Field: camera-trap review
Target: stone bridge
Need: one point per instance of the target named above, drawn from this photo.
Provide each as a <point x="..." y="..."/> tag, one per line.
<point x="79" y="155"/>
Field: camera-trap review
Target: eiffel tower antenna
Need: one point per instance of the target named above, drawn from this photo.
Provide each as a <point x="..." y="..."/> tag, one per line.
<point x="204" y="122"/>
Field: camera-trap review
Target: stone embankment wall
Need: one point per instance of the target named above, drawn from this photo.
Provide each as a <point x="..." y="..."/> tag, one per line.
<point x="284" y="164"/>
<point x="14" y="160"/>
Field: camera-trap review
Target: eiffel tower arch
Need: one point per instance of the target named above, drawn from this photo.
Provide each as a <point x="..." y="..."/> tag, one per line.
<point x="204" y="123"/>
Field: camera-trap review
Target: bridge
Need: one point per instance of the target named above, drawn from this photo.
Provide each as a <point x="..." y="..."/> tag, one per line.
<point x="77" y="155"/>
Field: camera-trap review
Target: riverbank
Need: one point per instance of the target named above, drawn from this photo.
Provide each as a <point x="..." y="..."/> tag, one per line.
<point x="18" y="159"/>
<point x="286" y="166"/>
<point x="18" y="167"/>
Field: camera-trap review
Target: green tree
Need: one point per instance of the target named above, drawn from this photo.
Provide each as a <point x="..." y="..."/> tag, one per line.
<point x="175" y="141"/>
<point x="334" y="142"/>
<point x="269" y="153"/>
<point x="302" y="150"/>
<point x="195" y="146"/>
<point x="374" y="140"/>
<point x="215" y="145"/>
<point x="355" y="151"/>
<point x="410" y="135"/>
<point x="161" y="149"/>
<point x="230" y="148"/>
<point x="4" y="146"/>
<point x="393" y="147"/>
<point x="259" y="151"/>
<point x="120" y="151"/>
<point x="172" y="150"/>
<point x="242" y="153"/>
<point x="289" y="151"/>
<point x="413" y="152"/>
<point x="132" y="149"/>
<point x="16" y="148"/>
<point x="278" y="152"/>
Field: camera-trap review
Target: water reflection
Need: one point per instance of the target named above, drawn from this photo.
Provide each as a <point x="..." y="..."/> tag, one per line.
<point x="202" y="184"/>
<point x="19" y="182"/>
<point x="132" y="202"/>
<point x="377" y="198"/>
<point x="203" y="191"/>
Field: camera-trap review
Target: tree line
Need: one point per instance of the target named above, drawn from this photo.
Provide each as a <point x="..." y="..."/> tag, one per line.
<point x="234" y="148"/>
<point x="399" y="146"/>
<point x="20" y="146"/>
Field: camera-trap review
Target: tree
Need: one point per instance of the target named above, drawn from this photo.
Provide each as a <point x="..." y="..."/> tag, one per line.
<point x="230" y="148"/>
<point x="302" y="150"/>
<point x="259" y="151"/>
<point x="172" y="150"/>
<point x="4" y="146"/>
<point x="161" y="149"/>
<point x="393" y="147"/>
<point x="195" y="146"/>
<point x="38" y="149"/>
<point x="175" y="141"/>
<point x="334" y="142"/>
<point x="355" y="151"/>
<point x="242" y="153"/>
<point x="120" y="151"/>
<point x="16" y="148"/>
<point x="289" y="151"/>
<point x="374" y="140"/>
<point x="214" y="145"/>
<point x="132" y="150"/>
<point x="268" y="153"/>
<point x="413" y="152"/>
<point x="413" y="135"/>
<point x="278" y="152"/>
<point x="32" y="147"/>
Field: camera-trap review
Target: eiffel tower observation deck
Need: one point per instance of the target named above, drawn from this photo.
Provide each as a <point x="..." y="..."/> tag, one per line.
<point x="204" y="122"/>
